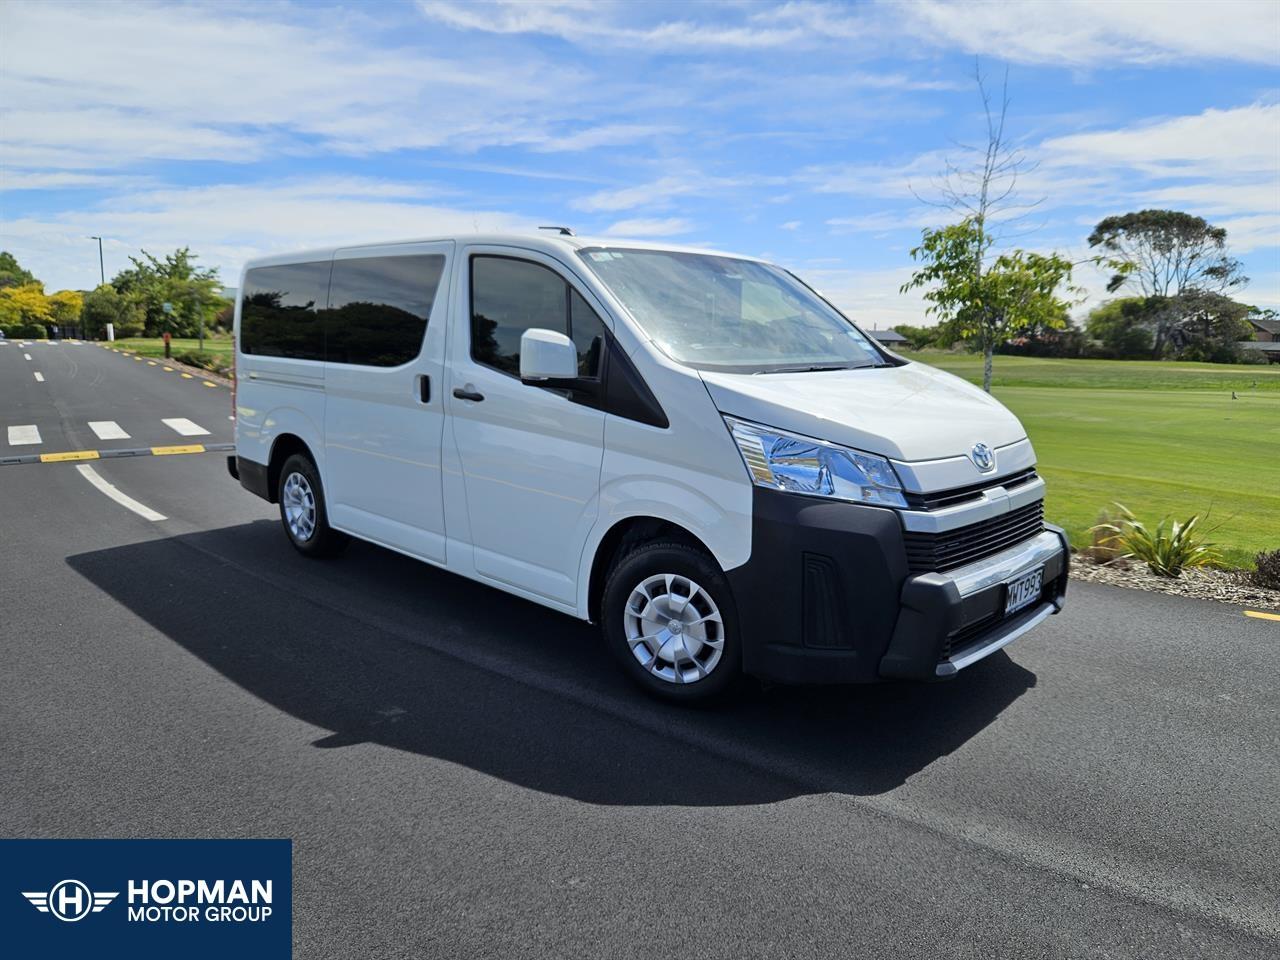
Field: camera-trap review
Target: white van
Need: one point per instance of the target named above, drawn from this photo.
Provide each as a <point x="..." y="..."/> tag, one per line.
<point x="694" y="450"/>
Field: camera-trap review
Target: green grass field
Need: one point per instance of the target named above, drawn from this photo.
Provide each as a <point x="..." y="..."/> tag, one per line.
<point x="217" y="355"/>
<point x="1161" y="438"/>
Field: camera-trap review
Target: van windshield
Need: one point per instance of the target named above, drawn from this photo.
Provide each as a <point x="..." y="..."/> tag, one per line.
<point x="737" y="316"/>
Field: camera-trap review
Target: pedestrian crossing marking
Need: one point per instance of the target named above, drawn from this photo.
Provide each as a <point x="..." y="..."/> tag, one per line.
<point x="185" y="427"/>
<point x="28" y="433"/>
<point x="39" y="377"/>
<point x="108" y="430"/>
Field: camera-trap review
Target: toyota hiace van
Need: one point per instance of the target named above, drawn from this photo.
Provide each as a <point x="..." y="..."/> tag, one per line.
<point x="694" y="450"/>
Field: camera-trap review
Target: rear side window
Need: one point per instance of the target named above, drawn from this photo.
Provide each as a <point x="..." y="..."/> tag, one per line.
<point x="379" y="308"/>
<point x="279" y="315"/>
<point x="511" y="296"/>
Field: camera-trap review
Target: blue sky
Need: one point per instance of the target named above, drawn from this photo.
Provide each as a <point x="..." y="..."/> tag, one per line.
<point x="794" y="131"/>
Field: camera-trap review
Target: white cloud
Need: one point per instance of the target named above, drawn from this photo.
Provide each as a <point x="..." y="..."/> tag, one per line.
<point x="227" y="223"/>
<point x="640" y="195"/>
<point x="1100" y="32"/>
<point x="791" y="225"/>
<point x="641" y="227"/>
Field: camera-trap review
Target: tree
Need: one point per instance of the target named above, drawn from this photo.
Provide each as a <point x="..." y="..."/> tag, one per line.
<point x="25" y="310"/>
<point x="1165" y="253"/>
<point x="65" y="307"/>
<point x="1015" y="292"/>
<point x="11" y="273"/>
<point x="192" y="291"/>
<point x="103" y="306"/>
<point x="1123" y="326"/>
<point x="1211" y="327"/>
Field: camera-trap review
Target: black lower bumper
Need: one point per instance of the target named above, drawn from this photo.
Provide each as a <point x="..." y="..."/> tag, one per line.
<point x="827" y="597"/>
<point x="254" y="477"/>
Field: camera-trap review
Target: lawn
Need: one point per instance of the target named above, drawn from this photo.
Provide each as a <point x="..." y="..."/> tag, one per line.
<point x="217" y="355"/>
<point x="1161" y="438"/>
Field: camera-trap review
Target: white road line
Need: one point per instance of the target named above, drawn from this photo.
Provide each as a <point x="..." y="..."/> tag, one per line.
<point x="185" y="427"/>
<point x="39" y="377"/>
<point x="123" y="499"/>
<point x="27" y="355"/>
<point x="107" y="430"/>
<point x="29" y="433"/>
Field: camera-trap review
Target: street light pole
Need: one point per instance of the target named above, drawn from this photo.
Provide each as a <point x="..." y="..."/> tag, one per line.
<point x="102" y="272"/>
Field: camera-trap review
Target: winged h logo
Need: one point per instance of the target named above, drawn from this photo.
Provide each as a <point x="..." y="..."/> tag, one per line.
<point x="70" y="900"/>
<point x="983" y="457"/>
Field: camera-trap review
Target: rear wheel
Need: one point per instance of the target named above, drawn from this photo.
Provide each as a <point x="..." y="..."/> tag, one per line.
<point x="302" y="509"/>
<point x="668" y="616"/>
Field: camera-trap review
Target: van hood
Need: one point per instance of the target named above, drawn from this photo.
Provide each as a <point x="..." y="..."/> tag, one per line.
<point x="912" y="412"/>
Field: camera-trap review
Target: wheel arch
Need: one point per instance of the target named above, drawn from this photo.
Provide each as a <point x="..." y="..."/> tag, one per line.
<point x="285" y="446"/>
<point x="619" y="538"/>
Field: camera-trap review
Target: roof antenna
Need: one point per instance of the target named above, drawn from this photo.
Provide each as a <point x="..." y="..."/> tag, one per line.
<point x="563" y="231"/>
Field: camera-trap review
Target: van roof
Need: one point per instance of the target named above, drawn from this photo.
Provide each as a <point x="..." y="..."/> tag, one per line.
<point x="544" y="241"/>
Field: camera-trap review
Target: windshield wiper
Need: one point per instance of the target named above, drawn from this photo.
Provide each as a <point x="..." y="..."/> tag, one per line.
<point x="814" y="368"/>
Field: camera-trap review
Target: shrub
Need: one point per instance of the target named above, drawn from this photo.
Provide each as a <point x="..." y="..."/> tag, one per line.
<point x="1167" y="550"/>
<point x="1267" y="573"/>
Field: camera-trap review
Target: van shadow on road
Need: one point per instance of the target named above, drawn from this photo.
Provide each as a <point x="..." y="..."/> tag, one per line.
<point x="360" y="646"/>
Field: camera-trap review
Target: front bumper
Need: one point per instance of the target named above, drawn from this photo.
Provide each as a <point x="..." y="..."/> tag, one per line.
<point x="827" y="596"/>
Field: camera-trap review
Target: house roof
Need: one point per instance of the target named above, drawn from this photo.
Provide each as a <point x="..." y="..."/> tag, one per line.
<point x="1270" y="326"/>
<point x="1262" y="345"/>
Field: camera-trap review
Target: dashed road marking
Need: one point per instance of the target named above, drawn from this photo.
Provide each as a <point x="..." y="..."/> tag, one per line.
<point x="27" y="356"/>
<point x="185" y="427"/>
<point x="187" y="376"/>
<point x="115" y="494"/>
<point x="152" y="363"/>
<point x="108" y="430"/>
<point x="209" y="383"/>
<point x="28" y="433"/>
<point x="39" y="377"/>
<point x="168" y="369"/>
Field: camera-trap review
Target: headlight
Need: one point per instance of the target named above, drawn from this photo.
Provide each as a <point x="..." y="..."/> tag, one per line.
<point x="785" y="461"/>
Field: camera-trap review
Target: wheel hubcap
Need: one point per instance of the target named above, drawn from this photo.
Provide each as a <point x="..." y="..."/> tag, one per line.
<point x="299" y="506"/>
<point x="674" y="628"/>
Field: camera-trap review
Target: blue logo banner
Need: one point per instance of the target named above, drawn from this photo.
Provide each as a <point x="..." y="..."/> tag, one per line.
<point x="147" y="898"/>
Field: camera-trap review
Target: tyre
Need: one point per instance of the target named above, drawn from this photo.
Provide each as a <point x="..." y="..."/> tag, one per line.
<point x="668" y="615"/>
<point x="302" y="510"/>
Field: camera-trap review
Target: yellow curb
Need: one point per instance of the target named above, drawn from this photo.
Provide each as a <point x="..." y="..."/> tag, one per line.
<point x="209" y="384"/>
<point x="187" y="376"/>
<point x="69" y="455"/>
<point x="168" y="369"/>
<point x="189" y="448"/>
<point x="1259" y="615"/>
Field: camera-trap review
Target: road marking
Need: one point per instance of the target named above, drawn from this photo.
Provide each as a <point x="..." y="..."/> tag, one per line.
<point x="188" y="448"/>
<point x="107" y="430"/>
<point x="209" y="384"/>
<point x="39" y="377"/>
<point x="1259" y="615"/>
<point x="69" y="455"/>
<point x="139" y="359"/>
<point x="187" y="376"/>
<point x="152" y="363"/>
<point x="168" y="369"/>
<point x="29" y="433"/>
<point x="185" y="427"/>
<point x="123" y="499"/>
<point x="27" y="356"/>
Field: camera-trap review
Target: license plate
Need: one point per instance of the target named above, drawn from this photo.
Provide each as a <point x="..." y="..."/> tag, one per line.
<point x="1023" y="591"/>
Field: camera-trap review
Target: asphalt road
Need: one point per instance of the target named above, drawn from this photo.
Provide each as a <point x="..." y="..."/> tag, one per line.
<point x="467" y="775"/>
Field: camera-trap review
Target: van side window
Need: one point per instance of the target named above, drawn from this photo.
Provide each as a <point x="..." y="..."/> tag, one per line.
<point x="511" y="296"/>
<point x="279" y="315"/>
<point x="379" y="308"/>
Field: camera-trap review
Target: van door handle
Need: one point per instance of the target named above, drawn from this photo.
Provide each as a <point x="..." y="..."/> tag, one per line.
<point x="463" y="394"/>
<point x="424" y="388"/>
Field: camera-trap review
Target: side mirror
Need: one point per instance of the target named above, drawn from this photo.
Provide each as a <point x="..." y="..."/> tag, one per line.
<point x="547" y="355"/>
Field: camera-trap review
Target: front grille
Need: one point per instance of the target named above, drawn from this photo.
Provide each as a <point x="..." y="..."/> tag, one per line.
<point x="929" y="552"/>
<point x="949" y="498"/>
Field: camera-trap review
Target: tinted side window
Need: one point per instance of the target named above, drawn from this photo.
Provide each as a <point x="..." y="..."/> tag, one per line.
<point x="379" y="308"/>
<point x="587" y="332"/>
<point x="279" y="313"/>
<point x="509" y="297"/>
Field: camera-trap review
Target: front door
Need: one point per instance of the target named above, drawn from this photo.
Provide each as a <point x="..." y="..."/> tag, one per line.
<point x="384" y="415"/>
<point x="530" y="456"/>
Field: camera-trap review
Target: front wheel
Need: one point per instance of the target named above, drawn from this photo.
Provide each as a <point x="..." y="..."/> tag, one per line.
<point x="668" y="616"/>
<point x="302" y="509"/>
